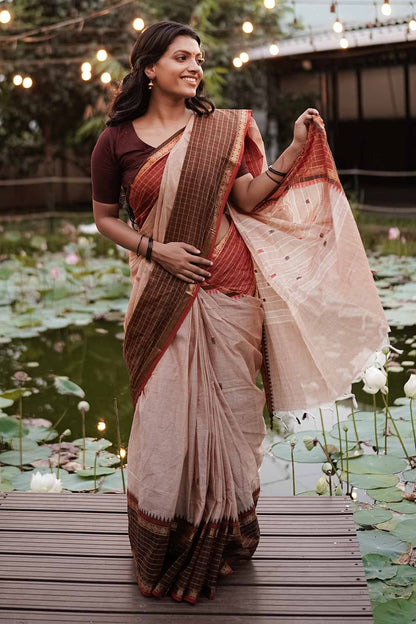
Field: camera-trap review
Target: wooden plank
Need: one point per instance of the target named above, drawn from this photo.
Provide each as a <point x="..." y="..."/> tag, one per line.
<point x="122" y="598"/>
<point x="275" y="547"/>
<point x="103" y="522"/>
<point x="117" y="503"/>
<point x="121" y="570"/>
<point x="24" y="617"/>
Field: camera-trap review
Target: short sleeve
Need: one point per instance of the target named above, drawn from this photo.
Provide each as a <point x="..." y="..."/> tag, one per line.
<point x="105" y="169"/>
<point x="243" y="168"/>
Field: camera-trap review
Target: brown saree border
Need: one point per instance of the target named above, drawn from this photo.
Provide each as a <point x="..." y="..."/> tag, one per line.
<point x="210" y="166"/>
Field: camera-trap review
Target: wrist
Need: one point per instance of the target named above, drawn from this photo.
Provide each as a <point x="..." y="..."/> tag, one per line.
<point x="296" y="147"/>
<point x="156" y="250"/>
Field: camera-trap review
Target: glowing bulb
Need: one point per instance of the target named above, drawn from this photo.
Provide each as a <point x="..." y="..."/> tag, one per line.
<point x="237" y="62"/>
<point x="122" y="452"/>
<point x="102" y="54"/>
<point x="86" y="75"/>
<point x="269" y="4"/>
<point x="105" y="77"/>
<point x="86" y="68"/>
<point x="17" y="79"/>
<point x="244" y="57"/>
<point x="386" y="8"/>
<point x="412" y="24"/>
<point x="247" y="27"/>
<point x="343" y="43"/>
<point x="101" y="425"/>
<point x="5" y="16"/>
<point x="337" y="26"/>
<point x="274" y="49"/>
<point x="27" y="82"/>
<point x="138" y="23"/>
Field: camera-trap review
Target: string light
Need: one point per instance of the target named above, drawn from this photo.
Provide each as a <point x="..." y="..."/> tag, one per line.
<point x="105" y="77"/>
<point x="102" y="55"/>
<point x="412" y="24"/>
<point x="17" y="80"/>
<point x="343" y="43"/>
<point x="386" y="8"/>
<point x="27" y="82"/>
<point x="237" y="62"/>
<point x="5" y="16"/>
<point x="274" y="49"/>
<point x="269" y="4"/>
<point x="138" y="23"/>
<point x="86" y="67"/>
<point x="122" y="452"/>
<point x="86" y="76"/>
<point x="247" y="27"/>
<point x="337" y="26"/>
<point x="101" y="425"/>
<point x="244" y="57"/>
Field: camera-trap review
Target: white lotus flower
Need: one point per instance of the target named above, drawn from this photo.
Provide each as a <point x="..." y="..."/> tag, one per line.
<point x="45" y="483"/>
<point x="374" y="380"/>
<point x="378" y="359"/>
<point x="83" y="405"/>
<point x="88" y="228"/>
<point x="410" y="387"/>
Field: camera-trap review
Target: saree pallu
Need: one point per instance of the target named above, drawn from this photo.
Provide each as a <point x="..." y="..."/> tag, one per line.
<point x="193" y="352"/>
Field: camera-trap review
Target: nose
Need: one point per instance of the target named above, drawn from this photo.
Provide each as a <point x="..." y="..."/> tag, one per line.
<point x="194" y="65"/>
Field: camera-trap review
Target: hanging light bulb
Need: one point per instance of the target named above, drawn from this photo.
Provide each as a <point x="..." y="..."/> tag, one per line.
<point x="138" y="23"/>
<point x="244" y="57"/>
<point x="5" y="16"/>
<point x="17" y="80"/>
<point x="412" y="24"/>
<point x="343" y="43"/>
<point x="237" y="62"/>
<point x="27" y="82"/>
<point x="274" y="49"/>
<point x="248" y="27"/>
<point x="386" y="8"/>
<point x="101" y="425"/>
<point x="122" y="452"/>
<point x="269" y="4"/>
<point x="105" y="77"/>
<point x="86" y="75"/>
<point x="337" y="26"/>
<point x="86" y="67"/>
<point x="102" y="54"/>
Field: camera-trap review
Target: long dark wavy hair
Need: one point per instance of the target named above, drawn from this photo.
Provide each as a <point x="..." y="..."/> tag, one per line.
<point x="132" y="97"/>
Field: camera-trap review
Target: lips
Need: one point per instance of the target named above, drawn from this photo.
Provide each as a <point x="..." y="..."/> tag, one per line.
<point x="192" y="81"/>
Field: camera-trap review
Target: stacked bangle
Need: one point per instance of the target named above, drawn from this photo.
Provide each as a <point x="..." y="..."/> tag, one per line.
<point x="269" y="176"/>
<point x="275" y="171"/>
<point x="137" y="248"/>
<point x="149" y="249"/>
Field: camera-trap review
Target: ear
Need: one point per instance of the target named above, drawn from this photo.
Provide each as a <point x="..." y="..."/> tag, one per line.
<point x="149" y="72"/>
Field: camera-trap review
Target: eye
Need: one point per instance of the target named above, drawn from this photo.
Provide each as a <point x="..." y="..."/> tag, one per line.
<point x="199" y="60"/>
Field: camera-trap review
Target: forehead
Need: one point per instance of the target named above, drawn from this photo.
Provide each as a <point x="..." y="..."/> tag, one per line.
<point x="182" y="42"/>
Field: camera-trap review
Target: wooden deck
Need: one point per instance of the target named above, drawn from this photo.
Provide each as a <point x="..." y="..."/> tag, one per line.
<point x="66" y="558"/>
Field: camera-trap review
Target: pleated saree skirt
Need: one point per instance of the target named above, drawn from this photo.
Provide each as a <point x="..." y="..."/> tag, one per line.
<point x="195" y="446"/>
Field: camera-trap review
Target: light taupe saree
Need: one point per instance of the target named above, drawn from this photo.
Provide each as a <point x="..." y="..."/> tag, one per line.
<point x="193" y="353"/>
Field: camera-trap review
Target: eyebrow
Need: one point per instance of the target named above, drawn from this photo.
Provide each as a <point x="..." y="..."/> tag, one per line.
<point x="187" y="52"/>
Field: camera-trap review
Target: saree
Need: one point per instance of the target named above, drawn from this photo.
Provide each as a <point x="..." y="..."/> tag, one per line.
<point x="193" y="351"/>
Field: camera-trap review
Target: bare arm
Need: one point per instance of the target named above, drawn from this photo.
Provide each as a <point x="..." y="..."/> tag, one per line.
<point x="179" y="258"/>
<point x="247" y="191"/>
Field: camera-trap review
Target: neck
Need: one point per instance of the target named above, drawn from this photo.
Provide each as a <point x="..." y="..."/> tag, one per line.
<point x="165" y="111"/>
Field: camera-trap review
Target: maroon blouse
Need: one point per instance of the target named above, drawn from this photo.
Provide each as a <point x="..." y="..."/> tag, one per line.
<point x="117" y="156"/>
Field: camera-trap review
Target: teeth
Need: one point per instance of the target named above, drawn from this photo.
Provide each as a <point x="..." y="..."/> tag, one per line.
<point x="191" y="80"/>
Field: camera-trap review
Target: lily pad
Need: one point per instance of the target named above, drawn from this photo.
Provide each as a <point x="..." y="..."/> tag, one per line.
<point x="27" y="444"/>
<point x="41" y="433"/>
<point x="376" y="464"/>
<point x="93" y="445"/>
<point x="405" y="575"/>
<point x="78" y="484"/>
<point x="5" y="402"/>
<point x="364" y="481"/>
<point x="8" y="472"/>
<point x="372" y="516"/>
<point x="9" y="427"/>
<point x="66" y="386"/>
<point x="378" y="566"/>
<point x="406" y="531"/>
<point x="21" y="482"/>
<point x="13" y="457"/>
<point x="390" y="494"/>
<point x="410" y="475"/>
<point x="381" y="543"/>
<point x="404" y="507"/>
<point x="99" y="471"/>
<point x="395" y="449"/>
<point x="114" y="482"/>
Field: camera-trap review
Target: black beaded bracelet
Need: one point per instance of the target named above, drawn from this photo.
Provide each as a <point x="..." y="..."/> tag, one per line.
<point x="149" y="249"/>
<point x="275" y="171"/>
<point x="275" y="181"/>
<point x="137" y="248"/>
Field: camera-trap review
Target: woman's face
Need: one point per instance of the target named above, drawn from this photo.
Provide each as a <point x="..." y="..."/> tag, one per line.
<point x="178" y="71"/>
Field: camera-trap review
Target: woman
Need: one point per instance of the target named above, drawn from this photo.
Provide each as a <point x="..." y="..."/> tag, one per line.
<point x="235" y="267"/>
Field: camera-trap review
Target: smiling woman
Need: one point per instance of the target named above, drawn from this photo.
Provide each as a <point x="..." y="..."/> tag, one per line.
<point x="222" y="241"/>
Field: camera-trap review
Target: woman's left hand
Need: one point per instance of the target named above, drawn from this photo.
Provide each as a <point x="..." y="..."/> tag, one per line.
<point x="300" y="133"/>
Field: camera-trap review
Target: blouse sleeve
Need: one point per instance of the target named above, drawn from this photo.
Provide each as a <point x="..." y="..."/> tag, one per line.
<point x="105" y="170"/>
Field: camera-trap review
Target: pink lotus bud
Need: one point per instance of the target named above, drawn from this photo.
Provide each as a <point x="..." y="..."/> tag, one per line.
<point x="394" y="233"/>
<point x="72" y="258"/>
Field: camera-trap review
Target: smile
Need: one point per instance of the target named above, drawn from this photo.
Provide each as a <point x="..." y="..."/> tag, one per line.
<point x="192" y="81"/>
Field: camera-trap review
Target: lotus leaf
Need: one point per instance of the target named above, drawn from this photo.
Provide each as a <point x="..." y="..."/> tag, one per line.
<point x="74" y="483"/>
<point x="406" y="530"/>
<point x="21" y="482"/>
<point x="27" y="444"/>
<point x="406" y="575"/>
<point x="403" y="507"/>
<point x="376" y="464"/>
<point x="9" y="427"/>
<point x="6" y="486"/>
<point x="312" y="493"/>
<point x="372" y="516"/>
<point x="99" y="471"/>
<point x="410" y="475"/>
<point x="13" y="457"/>
<point x="65" y="386"/>
<point x="93" y="445"/>
<point x="41" y="433"/>
<point x="114" y="482"/>
<point x="390" y="494"/>
<point x="300" y="454"/>
<point x="381" y="543"/>
<point x="8" y="472"/>
<point x="378" y="566"/>
<point x="364" y="481"/>
<point x="5" y="402"/>
<point x="395" y="449"/>
<point x="387" y="526"/>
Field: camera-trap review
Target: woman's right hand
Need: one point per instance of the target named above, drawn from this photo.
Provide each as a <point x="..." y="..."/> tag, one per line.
<point x="182" y="260"/>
